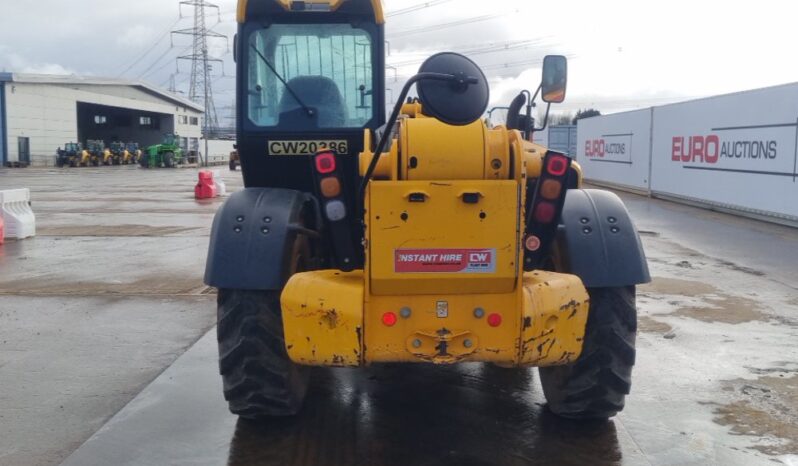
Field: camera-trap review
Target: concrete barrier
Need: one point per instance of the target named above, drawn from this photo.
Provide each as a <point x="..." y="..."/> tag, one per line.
<point x="18" y="217"/>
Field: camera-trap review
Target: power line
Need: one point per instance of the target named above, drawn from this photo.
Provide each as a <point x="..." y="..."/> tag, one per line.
<point x="152" y="65"/>
<point x="168" y="62"/>
<point x="147" y="52"/>
<point x="436" y="27"/>
<point x="415" y="8"/>
<point x="471" y="50"/>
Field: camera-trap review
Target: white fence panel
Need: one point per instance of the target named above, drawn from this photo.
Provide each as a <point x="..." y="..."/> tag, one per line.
<point x="737" y="151"/>
<point x="616" y="148"/>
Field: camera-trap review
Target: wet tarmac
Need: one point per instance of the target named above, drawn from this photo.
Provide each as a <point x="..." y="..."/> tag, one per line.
<point x="716" y="380"/>
<point x="95" y="307"/>
<point x="389" y="415"/>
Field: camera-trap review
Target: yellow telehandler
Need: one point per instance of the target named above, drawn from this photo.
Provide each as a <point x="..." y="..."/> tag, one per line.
<point x="427" y="238"/>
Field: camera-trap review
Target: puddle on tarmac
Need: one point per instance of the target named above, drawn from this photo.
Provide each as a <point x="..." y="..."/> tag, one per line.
<point x="719" y="307"/>
<point x="649" y="325"/>
<point x="676" y="286"/>
<point x="768" y="409"/>
<point x="152" y="285"/>
<point x="725" y="309"/>
<point x="112" y="230"/>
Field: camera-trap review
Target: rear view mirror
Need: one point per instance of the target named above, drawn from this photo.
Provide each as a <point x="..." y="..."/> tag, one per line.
<point x="458" y="101"/>
<point x="555" y="78"/>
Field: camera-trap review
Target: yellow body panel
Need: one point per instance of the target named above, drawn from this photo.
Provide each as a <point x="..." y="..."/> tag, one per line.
<point x="432" y="150"/>
<point x="323" y="318"/>
<point x="407" y="239"/>
<point x="555" y="314"/>
<point x="442" y="152"/>
<point x="379" y="15"/>
<point x="327" y="322"/>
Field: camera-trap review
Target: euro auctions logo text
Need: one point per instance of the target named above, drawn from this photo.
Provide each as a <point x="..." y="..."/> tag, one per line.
<point x="712" y="149"/>
<point x="601" y="148"/>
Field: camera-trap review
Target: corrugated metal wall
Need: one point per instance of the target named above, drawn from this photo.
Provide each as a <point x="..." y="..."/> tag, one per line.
<point x="563" y="139"/>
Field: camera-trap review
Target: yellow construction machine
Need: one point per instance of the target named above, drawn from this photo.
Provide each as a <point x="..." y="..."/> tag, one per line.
<point x="427" y="238"/>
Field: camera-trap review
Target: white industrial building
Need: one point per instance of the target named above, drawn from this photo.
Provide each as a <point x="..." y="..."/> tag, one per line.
<point x="40" y="113"/>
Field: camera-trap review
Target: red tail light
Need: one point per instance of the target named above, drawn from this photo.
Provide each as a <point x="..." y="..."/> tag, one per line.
<point x="494" y="320"/>
<point x="557" y="165"/>
<point x="325" y="163"/>
<point x="544" y="212"/>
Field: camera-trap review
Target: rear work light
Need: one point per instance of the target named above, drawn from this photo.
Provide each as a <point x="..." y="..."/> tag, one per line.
<point x="325" y="163"/>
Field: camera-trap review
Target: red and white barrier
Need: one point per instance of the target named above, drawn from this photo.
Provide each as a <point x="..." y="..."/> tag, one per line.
<point x="206" y="187"/>
<point x="221" y="187"/>
<point x="18" y="218"/>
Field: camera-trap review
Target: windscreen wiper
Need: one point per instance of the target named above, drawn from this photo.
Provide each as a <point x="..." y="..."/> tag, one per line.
<point x="307" y="109"/>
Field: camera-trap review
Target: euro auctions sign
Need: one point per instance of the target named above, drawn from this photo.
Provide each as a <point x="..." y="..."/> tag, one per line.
<point x="610" y="148"/>
<point x="767" y="149"/>
<point x="445" y="260"/>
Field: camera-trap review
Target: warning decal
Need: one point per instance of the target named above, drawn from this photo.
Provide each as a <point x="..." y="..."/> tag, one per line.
<point x="445" y="260"/>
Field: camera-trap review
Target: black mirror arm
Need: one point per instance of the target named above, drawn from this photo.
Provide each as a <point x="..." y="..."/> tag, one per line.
<point x="459" y="80"/>
<point x="545" y="119"/>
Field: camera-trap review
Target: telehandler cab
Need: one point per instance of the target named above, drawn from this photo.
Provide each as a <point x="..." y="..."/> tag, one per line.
<point x="427" y="238"/>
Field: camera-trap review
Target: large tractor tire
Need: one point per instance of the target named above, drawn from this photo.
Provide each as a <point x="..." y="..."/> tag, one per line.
<point x="169" y="160"/>
<point x="258" y="377"/>
<point x="595" y="385"/>
<point x="59" y="162"/>
<point x="144" y="162"/>
<point x="233" y="165"/>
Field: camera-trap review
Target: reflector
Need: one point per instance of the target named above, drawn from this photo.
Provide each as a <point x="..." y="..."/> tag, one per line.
<point x="389" y="319"/>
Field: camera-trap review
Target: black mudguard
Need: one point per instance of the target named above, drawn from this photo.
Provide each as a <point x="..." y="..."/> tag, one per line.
<point x="251" y="235"/>
<point x="598" y="242"/>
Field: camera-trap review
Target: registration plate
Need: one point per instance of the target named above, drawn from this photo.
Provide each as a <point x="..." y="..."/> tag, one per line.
<point x="307" y="147"/>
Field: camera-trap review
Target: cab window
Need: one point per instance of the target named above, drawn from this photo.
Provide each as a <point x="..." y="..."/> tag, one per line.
<point x="305" y="76"/>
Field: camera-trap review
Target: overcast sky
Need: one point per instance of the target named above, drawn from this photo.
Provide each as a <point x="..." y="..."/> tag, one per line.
<point x="623" y="53"/>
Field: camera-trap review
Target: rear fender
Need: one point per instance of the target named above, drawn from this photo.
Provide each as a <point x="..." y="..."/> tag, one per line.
<point x="598" y="242"/>
<point x="252" y="235"/>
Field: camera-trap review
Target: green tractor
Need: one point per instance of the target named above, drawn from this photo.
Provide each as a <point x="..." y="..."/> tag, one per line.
<point x="167" y="154"/>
